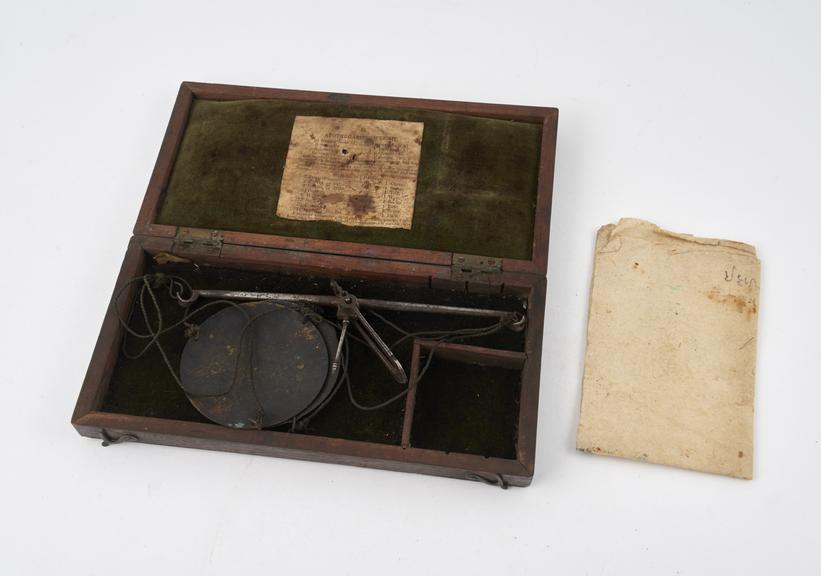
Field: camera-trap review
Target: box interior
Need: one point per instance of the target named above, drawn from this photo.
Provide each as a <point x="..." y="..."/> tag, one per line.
<point x="483" y="399"/>
<point x="476" y="191"/>
<point x="460" y="407"/>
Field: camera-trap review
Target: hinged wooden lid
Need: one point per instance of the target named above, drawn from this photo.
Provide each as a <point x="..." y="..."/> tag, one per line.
<point x="485" y="241"/>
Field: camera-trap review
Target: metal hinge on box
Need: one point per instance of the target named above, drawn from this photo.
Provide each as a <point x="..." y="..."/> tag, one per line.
<point x="479" y="270"/>
<point x="194" y="241"/>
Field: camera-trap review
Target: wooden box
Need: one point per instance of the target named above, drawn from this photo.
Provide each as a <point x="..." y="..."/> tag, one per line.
<point x="479" y="238"/>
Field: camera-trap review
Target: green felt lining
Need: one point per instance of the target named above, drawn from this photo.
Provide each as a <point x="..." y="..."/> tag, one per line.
<point x="144" y="387"/>
<point x="476" y="190"/>
<point x="464" y="407"/>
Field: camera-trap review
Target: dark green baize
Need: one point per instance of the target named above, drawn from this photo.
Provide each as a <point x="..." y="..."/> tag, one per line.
<point x="476" y="190"/>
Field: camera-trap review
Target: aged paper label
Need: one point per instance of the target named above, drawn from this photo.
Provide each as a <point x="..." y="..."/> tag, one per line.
<point x="357" y="172"/>
<point x="671" y="344"/>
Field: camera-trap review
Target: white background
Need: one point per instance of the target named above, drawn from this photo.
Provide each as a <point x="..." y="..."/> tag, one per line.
<point x="704" y="117"/>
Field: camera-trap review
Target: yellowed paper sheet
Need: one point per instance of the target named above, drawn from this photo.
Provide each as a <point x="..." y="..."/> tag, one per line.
<point x="357" y="172"/>
<point x="671" y="344"/>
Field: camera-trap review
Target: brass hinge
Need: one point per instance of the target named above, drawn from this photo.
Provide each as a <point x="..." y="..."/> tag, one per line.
<point x="188" y="241"/>
<point x="476" y="269"/>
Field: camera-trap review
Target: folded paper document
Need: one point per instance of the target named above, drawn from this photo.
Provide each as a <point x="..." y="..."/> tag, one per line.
<point x="671" y="345"/>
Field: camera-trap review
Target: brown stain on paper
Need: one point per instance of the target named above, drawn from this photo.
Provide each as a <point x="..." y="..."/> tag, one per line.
<point x="361" y="204"/>
<point x="333" y="165"/>
<point x="740" y="304"/>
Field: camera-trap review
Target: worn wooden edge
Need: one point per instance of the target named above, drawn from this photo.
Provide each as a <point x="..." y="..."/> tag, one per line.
<point x="266" y="258"/>
<point x="492" y="357"/>
<point x="537" y="264"/>
<point x="338" y="247"/>
<point x="165" y="161"/>
<point x="531" y="374"/>
<point x="410" y="398"/>
<point x="544" y="198"/>
<point x="271" y="259"/>
<point x="300" y="447"/>
<point x="208" y="91"/>
<point x="160" y="230"/>
<point x="323" y="262"/>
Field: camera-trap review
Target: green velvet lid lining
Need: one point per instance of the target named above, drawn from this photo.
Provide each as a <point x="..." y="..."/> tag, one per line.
<point x="476" y="190"/>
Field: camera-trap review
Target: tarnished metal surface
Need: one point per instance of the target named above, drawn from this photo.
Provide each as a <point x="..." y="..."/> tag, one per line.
<point x="328" y="333"/>
<point x="255" y="365"/>
<point x="513" y="319"/>
<point x="348" y="309"/>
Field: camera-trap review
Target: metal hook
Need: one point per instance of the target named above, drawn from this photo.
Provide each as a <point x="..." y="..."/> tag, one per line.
<point x="108" y="439"/>
<point x="498" y="480"/>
